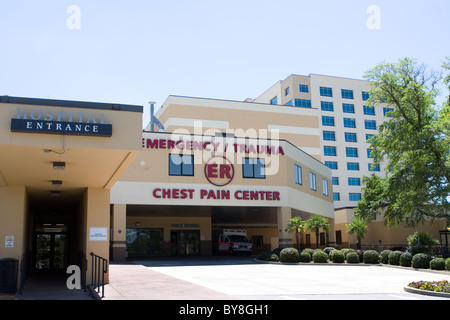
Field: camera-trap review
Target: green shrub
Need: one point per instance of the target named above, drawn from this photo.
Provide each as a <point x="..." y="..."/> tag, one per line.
<point x="447" y="264"/>
<point x="384" y="256"/>
<point x="277" y="251"/>
<point x="420" y="242"/>
<point x="352" y="257"/>
<point x="345" y="251"/>
<point x="328" y="250"/>
<point x="267" y="256"/>
<point x="320" y="257"/>
<point x="405" y="259"/>
<point x="305" y="256"/>
<point x="309" y="250"/>
<point x="337" y="256"/>
<point x="420" y="261"/>
<point x="437" y="264"/>
<point x="289" y="255"/>
<point x="394" y="257"/>
<point x="371" y="257"/>
<point x="360" y="254"/>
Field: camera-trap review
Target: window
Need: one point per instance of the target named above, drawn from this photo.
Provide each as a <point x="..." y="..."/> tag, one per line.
<point x="365" y="96"/>
<point x="374" y="167"/>
<point x="326" y="106"/>
<point x="347" y="94"/>
<point x="144" y="242"/>
<point x="326" y="92"/>
<point x="274" y="100"/>
<point x="349" y="123"/>
<point x="312" y="181"/>
<point x="329" y="151"/>
<point x="303" y="88"/>
<point x="369" y="153"/>
<point x="350" y="137"/>
<point x="328" y="121"/>
<point x="353" y="166"/>
<point x="299" y="103"/>
<point x="329" y="136"/>
<point x="354" y="196"/>
<point x="181" y="165"/>
<point x="254" y="168"/>
<point x="335" y="181"/>
<point x="348" y="108"/>
<point x="331" y="164"/>
<point x="298" y="174"/>
<point x="370" y="124"/>
<point x="336" y="196"/>
<point x="369" y="111"/>
<point x="386" y="112"/>
<point x="354" y="181"/>
<point x="368" y="136"/>
<point x="286" y="91"/>
<point x="351" y="152"/>
<point x="325" y="186"/>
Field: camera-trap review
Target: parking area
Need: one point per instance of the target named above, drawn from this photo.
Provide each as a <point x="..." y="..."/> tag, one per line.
<point x="243" y="278"/>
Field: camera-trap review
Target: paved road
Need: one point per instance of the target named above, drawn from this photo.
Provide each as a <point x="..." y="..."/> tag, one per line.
<point x="241" y="278"/>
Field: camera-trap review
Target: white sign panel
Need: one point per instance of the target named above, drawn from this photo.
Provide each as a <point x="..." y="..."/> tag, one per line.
<point x="9" y="241"/>
<point x="98" y="234"/>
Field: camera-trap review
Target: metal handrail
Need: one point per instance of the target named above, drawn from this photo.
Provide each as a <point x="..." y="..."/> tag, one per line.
<point x="99" y="269"/>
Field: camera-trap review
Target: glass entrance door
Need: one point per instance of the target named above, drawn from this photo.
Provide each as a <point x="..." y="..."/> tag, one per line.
<point x="50" y="249"/>
<point x="186" y="242"/>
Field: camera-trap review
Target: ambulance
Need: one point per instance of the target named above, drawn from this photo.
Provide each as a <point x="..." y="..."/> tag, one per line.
<point x="234" y="241"/>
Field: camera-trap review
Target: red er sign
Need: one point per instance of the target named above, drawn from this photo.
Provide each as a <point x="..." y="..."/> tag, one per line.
<point x="219" y="171"/>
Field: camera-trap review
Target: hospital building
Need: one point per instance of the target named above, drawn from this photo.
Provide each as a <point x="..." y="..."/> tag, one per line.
<point x="81" y="177"/>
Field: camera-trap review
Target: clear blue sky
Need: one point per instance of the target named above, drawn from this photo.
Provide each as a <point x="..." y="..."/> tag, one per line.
<point x="135" y="51"/>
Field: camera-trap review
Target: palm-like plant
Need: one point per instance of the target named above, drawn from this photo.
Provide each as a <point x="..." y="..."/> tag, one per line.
<point x="316" y="223"/>
<point x="358" y="227"/>
<point x="296" y="225"/>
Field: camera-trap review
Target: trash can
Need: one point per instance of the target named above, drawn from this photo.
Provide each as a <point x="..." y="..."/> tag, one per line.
<point x="9" y="270"/>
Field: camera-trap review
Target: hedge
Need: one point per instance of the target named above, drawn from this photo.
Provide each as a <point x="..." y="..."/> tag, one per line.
<point x="371" y="257"/>
<point x="320" y="257"/>
<point x="289" y="255"/>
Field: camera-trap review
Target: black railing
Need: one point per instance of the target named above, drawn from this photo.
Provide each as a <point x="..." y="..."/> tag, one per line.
<point x="99" y="269"/>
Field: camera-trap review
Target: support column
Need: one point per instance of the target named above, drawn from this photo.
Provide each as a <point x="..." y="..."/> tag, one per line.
<point x="118" y="241"/>
<point x="284" y="214"/>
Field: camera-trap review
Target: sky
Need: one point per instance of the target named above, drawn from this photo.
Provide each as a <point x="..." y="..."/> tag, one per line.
<point x="136" y="51"/>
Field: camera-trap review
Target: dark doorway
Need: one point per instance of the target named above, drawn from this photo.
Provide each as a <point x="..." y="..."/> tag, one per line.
<point x="185" y="243"/>
<point x="50" y="248"/>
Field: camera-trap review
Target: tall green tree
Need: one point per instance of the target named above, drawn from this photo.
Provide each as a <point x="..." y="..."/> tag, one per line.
<point x="316" y="223"/>
<point x="414" y="143"/>
<point x="358" y="227"/>
<point x="296" y="225"/>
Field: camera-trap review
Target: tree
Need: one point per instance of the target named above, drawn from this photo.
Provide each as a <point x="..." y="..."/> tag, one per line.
<point x="358" y="227"/>
<point x="413" y="142"/>
<point x="316" y="223"/>
<point x="298" y="225"/>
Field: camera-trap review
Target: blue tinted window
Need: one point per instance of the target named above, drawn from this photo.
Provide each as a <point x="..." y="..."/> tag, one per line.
<point x="351" y="152"/>
<point x="348" y="108"/>
<point x="354" y="196"/>
<point x="354" y="181"/>
<point x="370" y="124"/>
<point x="329" y="136"/>
<point x="303" y="88"/>
<point x="349" y="123"/>
<point x="328" y="121"/>
<point x="374" y="167"/>
<point x="365" y="96"/>
<point x="369" y="111"/>
<point x="347" y="94"/>
<point x="329" y="151"/>
<point x="326" y="106"/>
<point x="326" y="92"/>
<point x="353" y="166"/>
<point x="253" y="168"/>
<point x="350" y="137"/>
<point x="335" y="181"/>
<point x="274" y="100"/>
<point x="331" y="164"/>
<point x="298" y="174"/>
<point x="181" y="165"/>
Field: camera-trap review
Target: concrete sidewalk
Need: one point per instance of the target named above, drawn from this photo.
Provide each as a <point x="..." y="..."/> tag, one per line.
<point x="137" y="282"/>
<point x="233" y="278"/>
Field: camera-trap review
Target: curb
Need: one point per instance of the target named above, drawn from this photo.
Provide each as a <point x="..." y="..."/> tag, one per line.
<point x="426" y="292"/>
